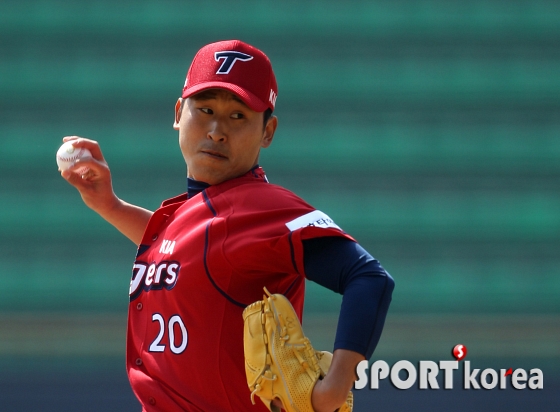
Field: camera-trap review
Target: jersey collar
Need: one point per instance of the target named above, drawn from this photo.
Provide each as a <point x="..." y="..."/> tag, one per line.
<point x="194" y="187"/>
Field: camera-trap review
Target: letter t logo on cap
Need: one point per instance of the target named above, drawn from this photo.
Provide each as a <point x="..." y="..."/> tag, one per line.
<point x="230" y="57"/>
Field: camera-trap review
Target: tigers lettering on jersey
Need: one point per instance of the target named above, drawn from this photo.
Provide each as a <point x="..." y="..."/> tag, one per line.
<point x="154" y="276"/>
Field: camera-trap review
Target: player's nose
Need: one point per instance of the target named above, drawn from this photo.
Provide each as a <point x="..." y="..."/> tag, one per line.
<point x="217" y="131"/>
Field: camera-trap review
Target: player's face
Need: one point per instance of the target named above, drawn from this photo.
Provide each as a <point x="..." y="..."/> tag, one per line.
<point x="220" y="136"/>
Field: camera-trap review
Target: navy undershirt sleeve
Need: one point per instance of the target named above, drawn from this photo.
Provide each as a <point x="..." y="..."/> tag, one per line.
<point x="345" y="267"/>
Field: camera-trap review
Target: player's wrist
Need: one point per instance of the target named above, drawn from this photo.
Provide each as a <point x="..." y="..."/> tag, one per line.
<point x="332" y="391"/>
<point x="328" y="396"/>
<point x="100" y="204"/>
<point x="111" y="205"/>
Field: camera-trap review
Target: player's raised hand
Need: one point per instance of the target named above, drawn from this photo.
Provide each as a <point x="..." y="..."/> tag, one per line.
<point x="96" y="188"/>
<point x="94" y="184"/>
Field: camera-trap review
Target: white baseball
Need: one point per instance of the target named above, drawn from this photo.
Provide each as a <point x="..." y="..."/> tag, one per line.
<point x="67" y="156"/>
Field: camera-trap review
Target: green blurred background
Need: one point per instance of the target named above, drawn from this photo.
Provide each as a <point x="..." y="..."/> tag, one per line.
<point x="429" y="130"/>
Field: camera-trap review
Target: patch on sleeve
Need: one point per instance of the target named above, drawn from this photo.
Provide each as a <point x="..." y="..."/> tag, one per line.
<point x="315" y="219"/>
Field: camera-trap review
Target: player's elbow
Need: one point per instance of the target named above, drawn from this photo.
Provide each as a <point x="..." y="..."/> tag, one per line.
<point x="390" y="285"/>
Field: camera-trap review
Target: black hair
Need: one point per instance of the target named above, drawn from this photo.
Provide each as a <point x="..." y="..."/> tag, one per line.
<point x="267" y="115"/>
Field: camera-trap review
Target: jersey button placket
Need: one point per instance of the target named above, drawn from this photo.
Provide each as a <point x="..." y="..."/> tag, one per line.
<point x="138" y="362"/>
<point x="139" y="306"/>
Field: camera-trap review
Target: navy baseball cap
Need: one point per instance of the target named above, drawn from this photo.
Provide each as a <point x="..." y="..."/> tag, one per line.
<point x="235" y="66"/>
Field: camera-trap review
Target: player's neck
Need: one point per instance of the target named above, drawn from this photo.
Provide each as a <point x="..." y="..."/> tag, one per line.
<point x="194" y="187"/>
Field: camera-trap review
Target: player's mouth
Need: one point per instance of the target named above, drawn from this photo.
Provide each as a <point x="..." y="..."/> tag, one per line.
<point x="214" y="154"/>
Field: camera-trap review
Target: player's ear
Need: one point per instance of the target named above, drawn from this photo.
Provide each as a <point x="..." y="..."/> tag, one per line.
<point x="268" y="133"/>
<point x="178" y="107"/>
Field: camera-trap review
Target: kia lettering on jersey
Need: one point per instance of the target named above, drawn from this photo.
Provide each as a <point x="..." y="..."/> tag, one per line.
<point x="153" y="276"/>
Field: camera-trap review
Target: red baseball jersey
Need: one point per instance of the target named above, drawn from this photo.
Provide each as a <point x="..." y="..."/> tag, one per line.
<point x="201" y="262"/>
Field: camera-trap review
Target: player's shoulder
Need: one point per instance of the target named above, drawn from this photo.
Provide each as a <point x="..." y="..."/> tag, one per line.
<point x="263" y="196"/>
<point x="270" y="194"/>
<point x="274" y="190"/>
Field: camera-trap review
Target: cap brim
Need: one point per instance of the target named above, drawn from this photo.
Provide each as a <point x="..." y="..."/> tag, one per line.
<point x="252" y="101"/>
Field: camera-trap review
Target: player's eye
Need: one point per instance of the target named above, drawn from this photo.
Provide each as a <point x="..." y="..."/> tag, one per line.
<point x="206" y="110"/>
<point x="238" y="116"/>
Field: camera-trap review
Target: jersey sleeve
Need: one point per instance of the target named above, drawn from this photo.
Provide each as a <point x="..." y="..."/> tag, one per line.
<point x="346" y="268"/>
<point x="257" y="236"/>
<point x="312" y="225"/>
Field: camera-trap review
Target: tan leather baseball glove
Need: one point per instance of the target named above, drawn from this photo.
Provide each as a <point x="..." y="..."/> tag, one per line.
<point x="279" y="360"/>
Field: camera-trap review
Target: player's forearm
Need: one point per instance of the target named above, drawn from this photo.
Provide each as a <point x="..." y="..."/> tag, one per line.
<point x="91" y="176"/>
<point x="330" y="393"/>
<point x="130" y="220"/>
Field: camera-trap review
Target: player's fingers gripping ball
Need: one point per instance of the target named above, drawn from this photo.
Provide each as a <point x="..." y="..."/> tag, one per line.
<point x="279" y="360"/>
<point x="67" y="155"/>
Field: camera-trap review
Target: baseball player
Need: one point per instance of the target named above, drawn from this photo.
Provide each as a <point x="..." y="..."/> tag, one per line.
<point x="205" y="255"/>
